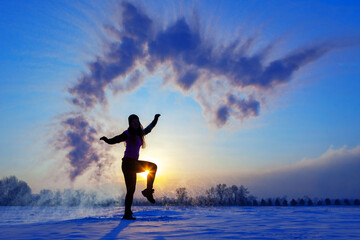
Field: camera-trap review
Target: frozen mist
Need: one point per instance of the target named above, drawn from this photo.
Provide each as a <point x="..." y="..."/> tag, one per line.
<point x="181" y="223"/>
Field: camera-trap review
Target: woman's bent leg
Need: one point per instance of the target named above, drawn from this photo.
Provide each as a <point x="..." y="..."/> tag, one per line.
<point x="152" y="168"/>
<point x="151" y="176"/>
<point x="142" y="166"/>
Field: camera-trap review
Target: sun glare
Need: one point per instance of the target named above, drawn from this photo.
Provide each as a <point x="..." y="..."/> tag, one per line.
<point x="144" y="174"/>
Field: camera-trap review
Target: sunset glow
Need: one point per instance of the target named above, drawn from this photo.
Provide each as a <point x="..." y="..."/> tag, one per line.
<point x="144" y="174"/>
<point x="249" y="92"/>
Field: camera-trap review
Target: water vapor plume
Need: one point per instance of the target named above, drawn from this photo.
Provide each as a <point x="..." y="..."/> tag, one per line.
<point x="229" y="81"/>
<point x="117" y="62"/>
<point x="193" y="60"/>
<point x="78" y="137"/>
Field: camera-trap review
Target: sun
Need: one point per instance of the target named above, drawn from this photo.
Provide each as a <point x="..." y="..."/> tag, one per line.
<point x="144" y="174"/>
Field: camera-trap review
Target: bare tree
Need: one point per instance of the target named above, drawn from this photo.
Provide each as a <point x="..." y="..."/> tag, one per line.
<point x="181" y="195"/>
<point x="211" y="196"/>
<point x="220" y="191"/>
<point x="234" y="190"/>
<point x="243" y="192"/>
<point x="14" y="192"/>
<point x="293" y="202"/>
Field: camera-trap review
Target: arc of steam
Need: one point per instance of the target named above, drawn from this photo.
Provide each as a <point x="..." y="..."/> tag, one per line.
<point x="193" y="61"/>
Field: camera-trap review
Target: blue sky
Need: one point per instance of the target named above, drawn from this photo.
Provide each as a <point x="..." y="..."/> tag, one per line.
<point x="279" y="118"/>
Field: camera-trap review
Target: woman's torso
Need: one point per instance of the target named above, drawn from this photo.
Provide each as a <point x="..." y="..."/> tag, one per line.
<point x="132" y="147"/>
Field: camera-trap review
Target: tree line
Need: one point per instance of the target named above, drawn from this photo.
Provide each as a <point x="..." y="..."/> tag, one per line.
<point x="223" y="195"/>
<point x="14" y="192"/>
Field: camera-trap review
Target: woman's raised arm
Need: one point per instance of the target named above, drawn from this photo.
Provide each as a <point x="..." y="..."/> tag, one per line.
<point x="152" y="124"/>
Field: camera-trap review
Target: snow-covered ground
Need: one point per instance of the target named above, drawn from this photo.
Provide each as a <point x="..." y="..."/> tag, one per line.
<point x="181" y="222"/>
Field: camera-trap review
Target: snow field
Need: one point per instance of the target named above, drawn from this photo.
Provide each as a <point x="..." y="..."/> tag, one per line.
<point x="181" y="223"/>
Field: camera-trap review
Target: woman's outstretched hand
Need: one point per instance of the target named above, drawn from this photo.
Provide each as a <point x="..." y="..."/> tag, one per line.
<point x="103" y="138"/>
<point x="157" y="116"/>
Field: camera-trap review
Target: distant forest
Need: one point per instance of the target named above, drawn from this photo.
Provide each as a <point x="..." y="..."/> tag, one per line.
<point x="14" y="192"/>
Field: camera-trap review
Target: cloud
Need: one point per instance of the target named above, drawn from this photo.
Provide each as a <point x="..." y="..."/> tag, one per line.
<point x="193" y="60"/>
<point x="225" y="79"/>
<point x="78" y="137"/>
<point x="134" y="80"/>
<point x="117" y="62"/>
<point x="281" y="70"/>
<point x="177" y="40"/>
<point x="334" y="174"/>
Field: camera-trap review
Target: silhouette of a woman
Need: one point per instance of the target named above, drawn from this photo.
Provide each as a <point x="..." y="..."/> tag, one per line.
<point x="134" y="138"/>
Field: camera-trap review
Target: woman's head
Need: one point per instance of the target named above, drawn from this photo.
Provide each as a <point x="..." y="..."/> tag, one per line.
<point x="134" y="121"/>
